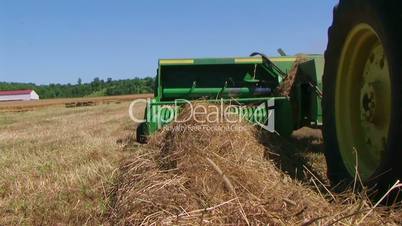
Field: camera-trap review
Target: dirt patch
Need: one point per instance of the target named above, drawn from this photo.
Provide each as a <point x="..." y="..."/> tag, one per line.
<point x="187" y="176"/>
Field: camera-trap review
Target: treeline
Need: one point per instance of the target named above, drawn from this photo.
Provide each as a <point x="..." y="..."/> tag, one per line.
<point x="98" y="87"/>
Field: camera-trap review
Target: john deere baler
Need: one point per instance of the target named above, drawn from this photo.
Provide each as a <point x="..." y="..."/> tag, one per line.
<point x="250" y="82"/>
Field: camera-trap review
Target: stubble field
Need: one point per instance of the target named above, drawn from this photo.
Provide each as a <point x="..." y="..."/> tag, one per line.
<point x="63" y="166"/>
<point x="57" y="163"/>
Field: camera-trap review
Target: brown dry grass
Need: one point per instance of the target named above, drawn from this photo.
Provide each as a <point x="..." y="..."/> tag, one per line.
<point x="57" y="163"/>
<point x="187" y="177"/>
<point x="58" y="166"/>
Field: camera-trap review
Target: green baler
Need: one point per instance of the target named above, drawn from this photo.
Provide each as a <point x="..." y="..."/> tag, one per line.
<point x="248" y="81"/>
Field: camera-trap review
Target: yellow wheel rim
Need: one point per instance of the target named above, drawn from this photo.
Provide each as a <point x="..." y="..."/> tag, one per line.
<point x="362" y="101"/>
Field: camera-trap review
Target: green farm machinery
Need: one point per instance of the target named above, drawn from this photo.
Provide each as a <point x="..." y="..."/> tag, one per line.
<point x="249" y="81"/>
<point x="358" y="108"/>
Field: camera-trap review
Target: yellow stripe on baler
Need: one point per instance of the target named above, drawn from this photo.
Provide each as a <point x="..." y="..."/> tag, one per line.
<point x="283" y="59"/>
<point x="187" y="61"/>
<point x="248" y="60"/>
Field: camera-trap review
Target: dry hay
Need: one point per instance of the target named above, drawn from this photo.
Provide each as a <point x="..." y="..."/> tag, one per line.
<point x="217" y="177"/>
<point x="286" y="87"/>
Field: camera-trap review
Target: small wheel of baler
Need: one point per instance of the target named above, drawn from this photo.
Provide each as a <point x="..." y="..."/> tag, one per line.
<point x="141" y="133"/>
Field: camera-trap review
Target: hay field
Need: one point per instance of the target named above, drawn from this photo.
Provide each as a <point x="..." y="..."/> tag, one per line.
<point x="81" y="166"/>
<point x="57" y="163"/>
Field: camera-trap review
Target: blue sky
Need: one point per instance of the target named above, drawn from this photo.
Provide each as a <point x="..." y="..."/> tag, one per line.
<point x="47" y="41"/>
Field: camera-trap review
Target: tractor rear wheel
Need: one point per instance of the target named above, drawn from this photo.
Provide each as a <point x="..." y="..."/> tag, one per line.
<point x="362" y="96"/>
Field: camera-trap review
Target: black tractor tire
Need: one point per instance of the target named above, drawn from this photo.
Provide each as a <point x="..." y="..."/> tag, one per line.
<point x="385" y="17"/>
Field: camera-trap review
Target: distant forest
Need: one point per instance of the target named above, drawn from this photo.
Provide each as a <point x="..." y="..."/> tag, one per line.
<point x="98" y="87"/>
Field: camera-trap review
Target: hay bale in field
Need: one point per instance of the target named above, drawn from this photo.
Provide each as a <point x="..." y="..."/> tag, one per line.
<point x="80" y="104"/>
<point x="212" y="176"/>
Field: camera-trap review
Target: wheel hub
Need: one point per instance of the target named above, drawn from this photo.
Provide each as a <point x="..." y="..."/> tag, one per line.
<point x="368" y="104"/>
<point x="363" y="101"/>
<point x="375" y="101"/>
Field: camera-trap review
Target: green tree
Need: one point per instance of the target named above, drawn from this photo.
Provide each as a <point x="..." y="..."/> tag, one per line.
<point x="95" y="88"/>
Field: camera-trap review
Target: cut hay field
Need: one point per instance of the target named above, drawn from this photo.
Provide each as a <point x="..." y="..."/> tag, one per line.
<point x="57" y="163"/>
<point x="81" y="166"/>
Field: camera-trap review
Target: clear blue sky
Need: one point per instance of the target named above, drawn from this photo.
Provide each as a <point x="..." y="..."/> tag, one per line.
<point x="49" y="41"/>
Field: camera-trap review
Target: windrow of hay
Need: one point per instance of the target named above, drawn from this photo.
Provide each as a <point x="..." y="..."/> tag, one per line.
<point x="213" y="173"/>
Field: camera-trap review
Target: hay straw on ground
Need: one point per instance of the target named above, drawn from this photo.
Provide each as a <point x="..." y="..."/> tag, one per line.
<point x="215" y="177"/>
